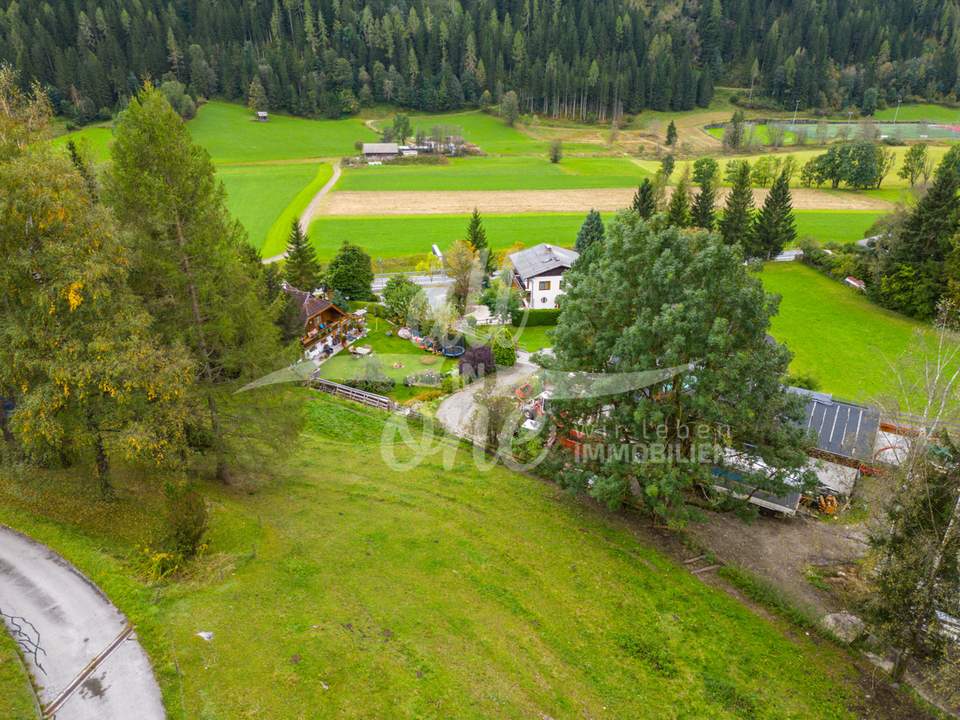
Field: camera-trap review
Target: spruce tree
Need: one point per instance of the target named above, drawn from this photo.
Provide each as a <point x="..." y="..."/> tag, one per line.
<point x="737" y="221"/>
<point x="189" y="266"/>
<point x="672" y="133"/>
<point x="645" y="200"/>
<point x="678" y="211"/>
<point x="477" y="239"/>
<point x="775" y="227"/>
<point x="257" y="96"/>
<point x="350" y="273"/>
<point x="703" y="212"/>
<point x="591" y="232"/>
<point x="301" y="269"/>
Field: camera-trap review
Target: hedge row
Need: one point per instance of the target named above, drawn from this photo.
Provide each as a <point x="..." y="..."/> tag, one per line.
<point x="535" y="318"/>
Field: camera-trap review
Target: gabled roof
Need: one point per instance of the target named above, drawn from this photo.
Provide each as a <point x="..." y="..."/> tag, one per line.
<point x="308" y="303"/>
<point x="843" y="429"/>
<point x="542" y="259"/>
<point x="381" y="148"/>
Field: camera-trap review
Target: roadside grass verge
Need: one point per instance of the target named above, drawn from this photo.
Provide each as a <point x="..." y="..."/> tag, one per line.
<point x="849" y="344"/>
<point x="17" y="701"/>
<point x="264" y="197"/>
<point x="497" y="173"/>
<point x="231" y="134"/>
<point x="361" y="586"/>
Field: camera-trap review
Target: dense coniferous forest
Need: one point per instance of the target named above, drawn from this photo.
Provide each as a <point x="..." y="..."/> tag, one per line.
<point x="584" y="59"/>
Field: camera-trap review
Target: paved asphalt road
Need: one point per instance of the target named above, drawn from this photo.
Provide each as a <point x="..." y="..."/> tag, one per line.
<point x="91" y="663"/>
<point x="456" y="412"/>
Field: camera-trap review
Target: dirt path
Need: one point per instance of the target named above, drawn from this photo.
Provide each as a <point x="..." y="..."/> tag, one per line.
<point x="312" y="211"/>
<point x="88" y="663"/>
<point x="408" y="202"/>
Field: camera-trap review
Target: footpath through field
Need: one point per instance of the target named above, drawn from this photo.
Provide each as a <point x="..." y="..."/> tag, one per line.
<point x="79" y="648"/>
<point x="408" y="202"/>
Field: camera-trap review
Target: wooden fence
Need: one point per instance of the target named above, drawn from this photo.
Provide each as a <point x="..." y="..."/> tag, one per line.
<point x="345" y="391"/>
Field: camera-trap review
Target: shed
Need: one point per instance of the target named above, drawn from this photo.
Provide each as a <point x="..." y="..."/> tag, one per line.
<point x="845" y="431"/>
<point x="262" y="116"/>
<point x="380" y="151"/>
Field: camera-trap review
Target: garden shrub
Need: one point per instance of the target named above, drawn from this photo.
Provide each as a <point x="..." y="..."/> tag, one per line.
<point x="477" y="362"/>
<point x="504" y="349"/>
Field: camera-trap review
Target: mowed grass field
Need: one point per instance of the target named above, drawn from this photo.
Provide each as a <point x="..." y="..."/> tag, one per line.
<point x="231" y="134"/>
<point x="837" y="336"/>
<point x="16" y="697"/>
<point x="354" y="586"/>
<point x="408" y="236"/>
<point x="921" y="112"/>
<point x="262" y="197"/>
<point x="498" y="173"/>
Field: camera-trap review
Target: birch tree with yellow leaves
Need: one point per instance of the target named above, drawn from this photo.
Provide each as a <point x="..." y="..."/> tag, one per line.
<point x="77" y="354"/>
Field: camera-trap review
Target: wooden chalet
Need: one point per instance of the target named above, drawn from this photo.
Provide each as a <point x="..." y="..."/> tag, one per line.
<point x="326" y="328"/>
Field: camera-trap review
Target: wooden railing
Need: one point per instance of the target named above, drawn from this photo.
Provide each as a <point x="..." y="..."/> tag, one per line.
<point x="345" y="391"/>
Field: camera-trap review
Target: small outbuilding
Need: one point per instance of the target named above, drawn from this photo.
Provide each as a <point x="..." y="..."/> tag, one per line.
<point x="380" y="152"/>
<point x="263" y="116"/>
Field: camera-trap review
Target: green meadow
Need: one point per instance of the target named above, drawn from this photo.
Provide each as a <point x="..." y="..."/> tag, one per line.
<point x="407" y="236"/>
<point x="262" y="196"/>
<point x="837" y="336"/>
<point x="231" y="134"/>
<point x="399" y="586"/>
<point x="502" y="173"/>
<point x="96" y="138"/>
<point x="921" y="112"/>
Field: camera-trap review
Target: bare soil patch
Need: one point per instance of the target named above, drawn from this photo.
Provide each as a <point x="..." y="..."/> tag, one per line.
<point x="408" y="202"/>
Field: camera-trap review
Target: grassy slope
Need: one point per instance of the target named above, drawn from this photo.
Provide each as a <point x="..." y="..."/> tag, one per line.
<point x="16" y="697"/>
<point x="839" y="337"/>
<point x="259" y="196"/>
<point x="357" y="590"/>
<point x="412" y="235"/>
<point x="503" y="173"/>
<point x="96" y="138"/>
<point x="231" y="135"/>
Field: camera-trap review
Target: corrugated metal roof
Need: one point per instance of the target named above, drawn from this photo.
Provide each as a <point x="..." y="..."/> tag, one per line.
<point x="541" y="259"/>
<point x="843" y="429"/>
<point x="381" y="148"/>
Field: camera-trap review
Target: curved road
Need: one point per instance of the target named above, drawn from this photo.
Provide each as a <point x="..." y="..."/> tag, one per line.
<point x="313" y="209"/>
<point x="89" y="665"/>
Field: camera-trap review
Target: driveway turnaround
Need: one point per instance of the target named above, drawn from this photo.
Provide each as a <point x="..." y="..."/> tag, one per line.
<point x="81" y="650"/>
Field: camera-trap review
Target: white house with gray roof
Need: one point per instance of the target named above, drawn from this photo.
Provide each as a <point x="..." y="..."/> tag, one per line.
<point x="538" y="273"/>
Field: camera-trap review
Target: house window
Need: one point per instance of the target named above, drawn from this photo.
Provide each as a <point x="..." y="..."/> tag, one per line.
<point x="563" y="283"/>
<point x="544" y="285"/>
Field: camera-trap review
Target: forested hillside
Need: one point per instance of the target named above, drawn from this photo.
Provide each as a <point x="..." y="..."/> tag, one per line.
<point x="575" y="58"/>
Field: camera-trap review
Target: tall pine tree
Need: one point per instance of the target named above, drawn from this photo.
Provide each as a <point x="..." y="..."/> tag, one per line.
<point x="189" y="265"/>
<point x="678" y="211"/>
<point x="645" y="199"/>
<point x="477" y="238"/>
<point x="737" y="221"/>
<point x="301" y="268"/>
<point x="591" y="232"/>
<point x="775" y="226"/>
<point x="704" y="210"/>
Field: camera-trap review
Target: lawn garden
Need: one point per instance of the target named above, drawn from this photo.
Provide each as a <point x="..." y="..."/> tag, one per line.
<point x="358" y="587"/>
